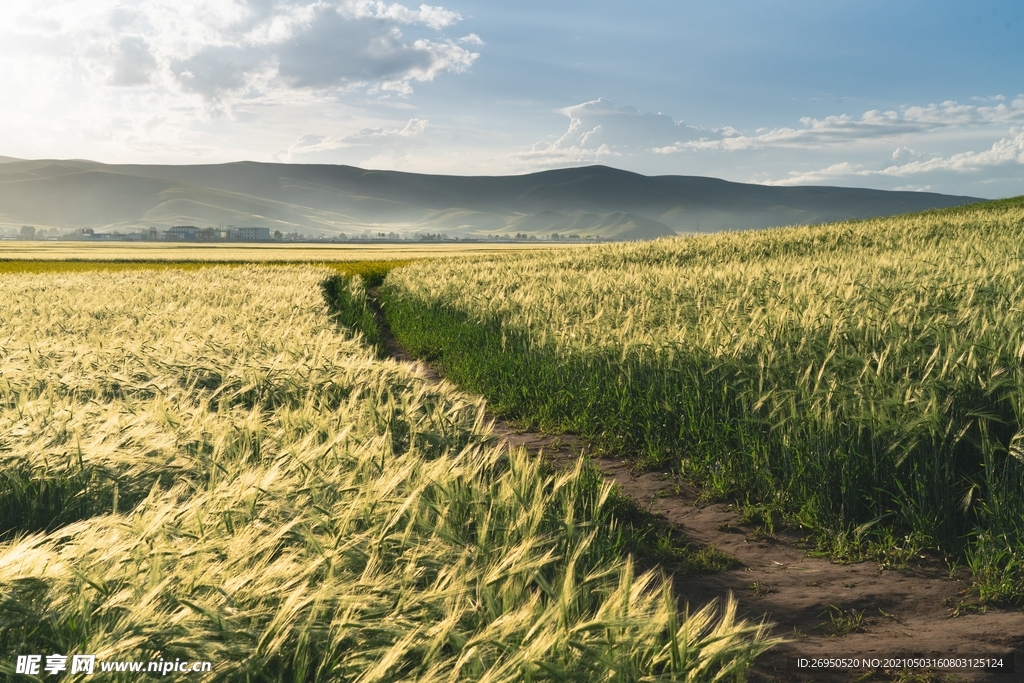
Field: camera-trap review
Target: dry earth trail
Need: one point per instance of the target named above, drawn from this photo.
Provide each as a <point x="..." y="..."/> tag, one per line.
<point x="813" y="602"/>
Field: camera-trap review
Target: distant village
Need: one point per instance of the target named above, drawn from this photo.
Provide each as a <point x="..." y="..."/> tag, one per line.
<point x="191" y="233"/>
<point x="177" y="233"/>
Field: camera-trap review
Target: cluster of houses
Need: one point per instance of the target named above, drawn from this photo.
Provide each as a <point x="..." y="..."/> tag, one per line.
<point x="190" y="233"/>
<point x="178" y="233"/>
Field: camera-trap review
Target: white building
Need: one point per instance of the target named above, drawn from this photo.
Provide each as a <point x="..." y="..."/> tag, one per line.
<point x="250" y="234"/>
<point x="186" y="233"/>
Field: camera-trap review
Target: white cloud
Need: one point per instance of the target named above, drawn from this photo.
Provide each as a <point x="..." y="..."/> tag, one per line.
<point x="371" y="138"/>
<point x="323" y="47"/>
<point x="543" y="155"/>
<point x="102" y="62"/>
<point x="1008" y="150"/>
<point x="598" y="129"/>
<point x="871" y="125"/>
<point x="1005" y="151"/>
<point x="964" y="149"/>
<point x="904" y="154"/>
<point x="178" y="81"/>
<point x="434" y="17"/>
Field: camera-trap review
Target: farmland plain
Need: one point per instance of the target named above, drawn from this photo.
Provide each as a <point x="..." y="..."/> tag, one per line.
<point x="201" y="464"/>
<point x="861" y="381"/>
<point x="16" y="250"/>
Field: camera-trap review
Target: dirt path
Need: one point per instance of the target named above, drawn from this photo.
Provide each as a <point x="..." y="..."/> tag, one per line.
<point x="825" y="610"/>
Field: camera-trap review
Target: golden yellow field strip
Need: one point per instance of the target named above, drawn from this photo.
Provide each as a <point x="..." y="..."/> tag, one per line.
<point x="371" y="271"/>
<point x="256" y="252"/>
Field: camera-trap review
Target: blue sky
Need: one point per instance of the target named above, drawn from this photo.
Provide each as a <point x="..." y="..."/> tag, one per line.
<point x="905" y="95"/>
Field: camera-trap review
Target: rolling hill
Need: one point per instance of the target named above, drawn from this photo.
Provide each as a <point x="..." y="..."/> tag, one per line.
<point x="594" y="200"/>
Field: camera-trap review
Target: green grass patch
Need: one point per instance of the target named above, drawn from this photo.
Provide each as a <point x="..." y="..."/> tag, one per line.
<point x="349" y="302"/>
<point x="372" y="273"/>
<point x="17" y="266"/>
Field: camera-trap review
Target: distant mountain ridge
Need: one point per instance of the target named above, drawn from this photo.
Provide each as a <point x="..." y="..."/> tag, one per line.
<point x="592" y="200"/>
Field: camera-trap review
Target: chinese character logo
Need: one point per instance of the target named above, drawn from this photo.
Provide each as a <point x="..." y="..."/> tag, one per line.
<point x="55" y="664"/>
<point x="28" y="664"/>
<point x="82" y="664"/>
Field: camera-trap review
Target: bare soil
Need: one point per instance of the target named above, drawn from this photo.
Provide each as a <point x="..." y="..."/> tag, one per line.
<point x="823" y="609"/>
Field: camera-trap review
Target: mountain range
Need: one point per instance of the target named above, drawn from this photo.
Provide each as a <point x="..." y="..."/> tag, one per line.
<point x="329" y="199"/>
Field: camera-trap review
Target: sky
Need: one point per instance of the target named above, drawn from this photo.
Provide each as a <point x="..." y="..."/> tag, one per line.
<point x="903" y="95"/>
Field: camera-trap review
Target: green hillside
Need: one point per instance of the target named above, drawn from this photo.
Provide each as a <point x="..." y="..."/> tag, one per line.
<point x="595" y="200"/>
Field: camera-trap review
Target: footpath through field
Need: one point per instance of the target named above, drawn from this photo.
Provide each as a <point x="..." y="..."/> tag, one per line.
<point x="824" y="609"/>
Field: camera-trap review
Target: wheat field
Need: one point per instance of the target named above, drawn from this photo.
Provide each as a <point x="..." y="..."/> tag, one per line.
<point x="862" y="379"/>
<point x="201" y="464"/>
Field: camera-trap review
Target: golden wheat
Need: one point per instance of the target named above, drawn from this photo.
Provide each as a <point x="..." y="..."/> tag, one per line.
<point x="200" y="465"/>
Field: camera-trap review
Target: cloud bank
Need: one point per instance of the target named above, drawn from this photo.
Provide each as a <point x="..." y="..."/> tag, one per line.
<point x="1004" y="152"/>
<point x="871" y="125"/>
<point x="229" y="49"/>
<point x="150" y="73"/>
<point x="599" y="131"/>
<point x="952" y="146"/>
